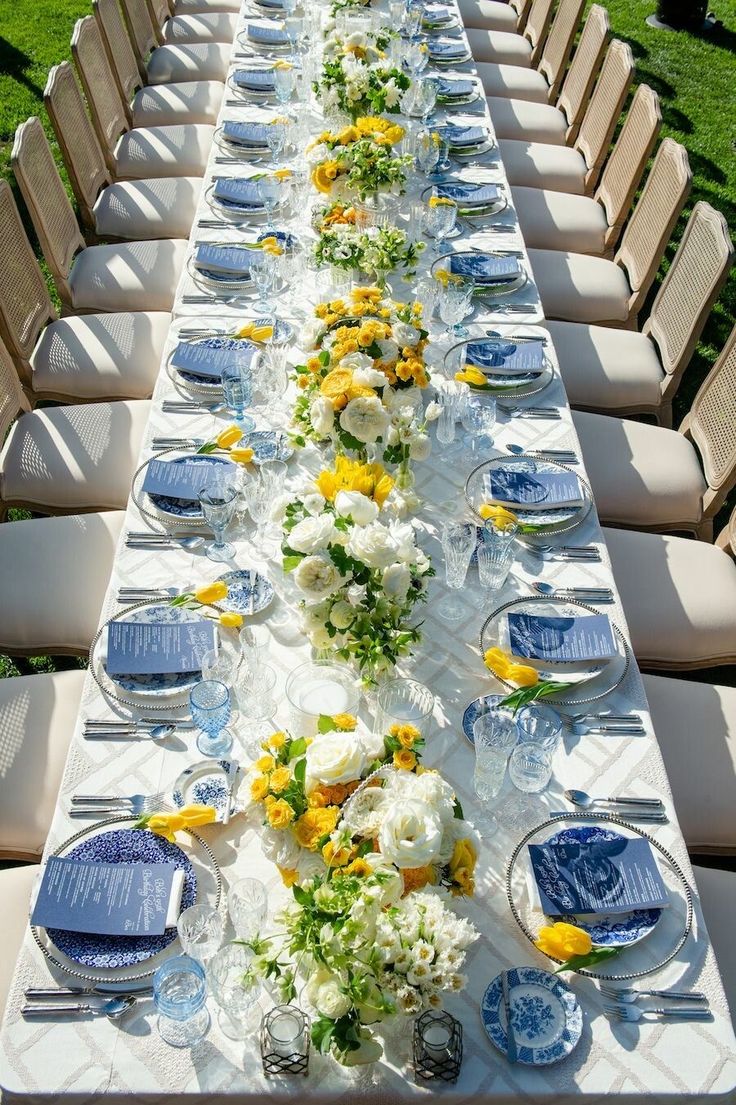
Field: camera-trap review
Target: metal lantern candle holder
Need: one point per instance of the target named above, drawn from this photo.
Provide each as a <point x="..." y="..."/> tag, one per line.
<point x="285" y="1041"/>
<point x="438" y="1047"/>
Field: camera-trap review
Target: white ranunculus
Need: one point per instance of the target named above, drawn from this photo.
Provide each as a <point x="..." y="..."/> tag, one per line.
<point x="355" y="361"/>
<point x="320" y="638"/>
<point x="389" y="350"/>
<point x="395" y="581"/>
<point x="333" y="758"/>
<point x="323" y="991"/>
<point x="365" y="419"/>
<point x="392" y="437"/>
<point x="280" y="847"/>
<point x="406" y="334"/>
<point x="433" y="411"/>
<point x="322" y="415"/>
<point x="313" y="502"/>
<point x="372" y="545"/>
<point x="317" y="577"/>
<point x="410" y="836"/>
<point x="369" y="377"/>
<point x="312" y="534"/>
<point x="420" y="447"/>
<point x="342" y="614"/>
<point x="356" y="505"/>
<point x="314" y="617"/>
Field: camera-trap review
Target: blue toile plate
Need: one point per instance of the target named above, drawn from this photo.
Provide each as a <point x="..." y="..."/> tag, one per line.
<point x="206" y="782"/>
<point x="164" y="683"/>
<point x="477" y="708"/>
<point x="186" y="508"/>
<point x="545" y="1015"/>
<point x="244" y="591"/>
<point x="268" y="445"/>
<point x="124" y="846"/>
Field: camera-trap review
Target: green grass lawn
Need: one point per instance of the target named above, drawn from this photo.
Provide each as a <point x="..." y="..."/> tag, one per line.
<point x="693" y="75"/>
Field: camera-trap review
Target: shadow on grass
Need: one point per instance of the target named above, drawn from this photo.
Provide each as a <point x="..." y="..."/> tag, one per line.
<point x="14" y="63"/>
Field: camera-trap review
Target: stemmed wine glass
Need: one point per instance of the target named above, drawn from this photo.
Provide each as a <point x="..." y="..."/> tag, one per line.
<point x="209" y="702"/>
<point x="263" y="274"/>
<point x="237" y="391"/>
<point x="427" y="152"/>
<point x="276" y="141"/>
<point x="270" y="191"/>
<point x="218" y="501"/>
<point x="441" y="220"/>
<point x="429" y="88"/>
<point x="179" y="995"/>
<point x="284" y="83"/>
<point x="455" y="303"/>
<point x="259" y="495"/>
<point x="236" y="990"/>
<point x="458" y="545"/>
<point x="478" y="418"/>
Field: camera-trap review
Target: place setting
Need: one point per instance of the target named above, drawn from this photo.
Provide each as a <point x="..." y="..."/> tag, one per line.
<point x="514" y="364"/>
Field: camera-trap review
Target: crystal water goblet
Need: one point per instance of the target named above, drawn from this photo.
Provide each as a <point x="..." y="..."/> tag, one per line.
<point x="441" y="221"/>
<point x="284" y="83"/>
<point x="218" y="501"/>
<point x="425" y="294"/>
<point x="209" y="702"/>
<point x="539" y="724"/>
<point x="179" y="994"/>
<point x="257" y="702"/>
<point x="430" y="87"/>
<point x="259" y="498"/>
<point x="495" y="553"/>
<point x="494" y="737"/>
<point x="448" y="397"/>
<point x="458" y="545"/>
<point x="219" y="664"/>
<point x="412" y="20"/>
<point x="530" y="767"/>
<point x="254" y="644"/>
<point x="478" y="418"/>
<point x="426" y="152"/>
<point x="276" y="142"/>
<point x="263" y="274"/>
<point x="236" y="988"/>
<point x="200" y="931"/>
<point x="269" y="189"/>
<point x="247" y="904"/>
<point x="454" y="304"/>
<point x="237" y="391"/>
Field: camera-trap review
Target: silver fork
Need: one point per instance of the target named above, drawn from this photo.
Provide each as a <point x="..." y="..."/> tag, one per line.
<point x="570" y="552"/>
<point x="627" y="994"/>
<point x="634" y="1013"/>
<point x="133" y="803"/>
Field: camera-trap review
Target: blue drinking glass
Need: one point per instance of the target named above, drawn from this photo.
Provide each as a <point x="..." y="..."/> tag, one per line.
<point x="209" y="702"/>
<point x="179" y="993"/>
<point x="237" y="390"/>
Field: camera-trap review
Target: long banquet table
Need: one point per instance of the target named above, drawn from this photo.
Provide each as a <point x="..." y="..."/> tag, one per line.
<point x="664" y="1061"/>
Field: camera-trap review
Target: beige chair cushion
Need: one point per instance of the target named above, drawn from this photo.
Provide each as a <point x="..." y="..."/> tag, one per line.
<point x="537" y="165"/>
<point x="606" y="368"/>
<point x="695" y="725"/>
<point x="16" y="884"/>
<point x="555" y="220"/>
<point x="165" y="105"/>
<point x="717" y="890"/>
<point x="579" y="288"/>
<point x="200" y="61"/>
<point x="163" y="151"/>
<point x="527" y="122"/>
<point x="205" y="27"/>
<point x="70" y="459"/>
<point x="115" y="356"/>
<point x="53" y="576"/>
<point x="512" y="81"/>
<point x="642" y="476"/>
<point x="163" y="207"/>
<point x="192" y="7"/>
<point x="37" y="718"/>
<point x="679" y="596"/>
<point x="489" y="15"/>
<point x="132" y="276"/>
<point x="500" y="47"/>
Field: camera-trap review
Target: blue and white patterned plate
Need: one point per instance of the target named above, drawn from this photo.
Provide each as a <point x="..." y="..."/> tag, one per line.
<point x="206" y="782"/>
<point x="609" y="930"/>
<point x="124" y="846"/>
<point x="240" y="592"/>
<point x="476" y="709"/>
<point x="170" y="682"/>
<point x="268" y="445"/>
<point x="185" y="508"/>
<point x="545" y="1015"/>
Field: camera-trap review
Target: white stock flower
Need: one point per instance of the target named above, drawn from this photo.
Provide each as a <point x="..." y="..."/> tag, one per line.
<point x="312" y="534"/>
<point x="317" y="577"/>
<point x="420" y="447"/>
<point x="410" y="835"/>
<point x="333" y="758"/>
<point x="365" y="419"/>
<point x="356" y="505"/>
<point x="395" y="581"/>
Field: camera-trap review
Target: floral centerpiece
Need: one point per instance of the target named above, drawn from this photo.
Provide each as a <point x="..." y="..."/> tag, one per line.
<point x="359" y="577"/>
<point x="358" y="159"/>
<point x="356" y="77"/>
<point x="377" y="249"/>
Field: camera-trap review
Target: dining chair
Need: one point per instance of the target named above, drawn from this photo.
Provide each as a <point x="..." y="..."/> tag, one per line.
<point x="666" y="481"/>
<point x="489" y="15"/>
<point x="551" y="154"/>
<point x="66" y="459"/>
<point x="624" y="373"/>
<point x="717" y="892"/>
<point x="127" y="276"/>
<point x="38" y="714"/>
<point x="152" y="105"/>
<point x="206" y="26"/>
<point x="160" y="207"/>
<point x="192" y="7"/>
<point x="16" y="886"/>
<point x="514" y="48"/>
<point x="679" y="597"/>
<point x="196" y="61"/>
<point x="593" y="224"/>
<point x="726" y="539"/>
<point x="540" y="83"/>
<point x="158" y="151"/>
<point x="695" y="726"/>
<point x="581" y="288"/>
<point x="80" y="358"/>
<point x="55" y="573"/>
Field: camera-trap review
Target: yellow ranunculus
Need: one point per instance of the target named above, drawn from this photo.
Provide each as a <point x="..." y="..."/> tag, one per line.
<point x="229" y="436"/>
<point x="348" y="135"/>
<point x="277" y="741"/>
<point x="289" y="875"/>
<point x="279" y="814"/>
<point x="335" y="858"/>
<point x="266" y="763"/>
<point x="405" y="759"/>
<point x="358" y="867"/>
<point x="211" y="592"/>
<point x="406" y="735"/>
<point x="471" y="375"/>
<point x="231" y="620"/>
<point x="562" y="941"/>
<point x="345" y="722"/>
<point x="336" y="386"/>
<point x="259" y="788"/>
<point x="499" y="515"/>
<point x="314" y="824"/>
<point x="323" y="176"/>
<point x="280" y="779"/>
<point x="241" y="456"/>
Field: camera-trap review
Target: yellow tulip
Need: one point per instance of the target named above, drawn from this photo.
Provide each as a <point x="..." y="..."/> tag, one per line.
<point x="441" y="201"/>
<point x="499" y="515"/>
<point x="241" y="456"/>
<point x="504" y="665"/>
<point x="231" y="620"/>
<point x="523" y="675"/>
<point x="562" y="941"/>
<point x="471" y="375"/>
<point x="211" y="592"/>
<point x="228" y="437"/>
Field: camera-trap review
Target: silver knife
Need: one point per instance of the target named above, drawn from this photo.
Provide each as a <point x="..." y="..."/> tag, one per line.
<point x="511" y="1053"/>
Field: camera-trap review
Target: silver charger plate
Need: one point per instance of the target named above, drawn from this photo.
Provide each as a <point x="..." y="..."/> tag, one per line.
<point x="209" y="891"/>
<point x="154" y="685"/>
<point x="149" y="509"/>
<point x="515" y="385"/>
<point x="591" y="681"/>
<point x="250" y="95"/>
<point x="229" y="284"/>
<point x="486" y="291"/>
<point x="638" y="959"/>
<point x="203" y="387"/>
<point x="237" y="149"/>
<point x="532" y="523"/>
<point x="234" y="213"/>
<point x="280" y="48"/>
<point x="485" y="212"/>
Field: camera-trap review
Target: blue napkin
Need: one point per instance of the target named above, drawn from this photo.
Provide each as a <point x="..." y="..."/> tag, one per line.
<point x="256" y="80"/>
<point x="455" y="87"/>
<point x="435" y="14"/>
<point x="271" y="36"/>
<point x="464" y="136"/>
<point x="250" y="135"/>
<point x="484" y="268"/>
<point x="470" y="195"/>
<point x="230" y="260"/>
<point x="238" y="193"/>
<point x="448" y="49"/>
<point x="506" y="358"/>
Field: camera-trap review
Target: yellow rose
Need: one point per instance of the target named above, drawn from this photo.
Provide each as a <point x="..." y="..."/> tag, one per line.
<point x="266" y="763"/>
<point x="289" y="876"/>
<point x="314" y="824"/>
<point x="405" y="759"/>
<point x="241" y="456"/>
<point x="280" y="779"/>
<point x="280" y="814"/>
<point x="406" y="735"/>
<point x="471" y="375"/>
<point x="212" y="592"/>
<point x="462" y="865"/>
<point x="335" y="858"/>
<point x="562" y="941"/>
<point x="231" y="620"/>
<point x="259" y="788"/>
<point x="228" y="437"/>
<point x="345" y="722"/>
<point x="277" y="740"/>
<point x="323" y="176"/>
<point x="358" y="867"/>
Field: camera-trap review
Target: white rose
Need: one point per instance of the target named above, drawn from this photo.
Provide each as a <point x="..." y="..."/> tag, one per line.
<point x="324" y="993"/>
<point x="356" y="505"/>
<point x="333" y="758"/>
<point x="317" y="577"/>
<point x="322" y="415"/>
<point x="389" y="350"/>
<point x="395" y="581"/>
<point x="342" y="614"/>
<point x="372" y="545"/>
<point x="355" y="593"/>
<point x="365" y="419"/>
<point x="312" y="534"/>
<point x="313" y="502"/>
<point x="355" y="361"/>
<point x="369" y="377"/>
<point x="410" y="835"/>
<point x="420" y="447"/>
<point x="401" y="400"/>
<point x="314" y="617"/>
<point x="278" y="509"/>
<point x="405" y="334"/>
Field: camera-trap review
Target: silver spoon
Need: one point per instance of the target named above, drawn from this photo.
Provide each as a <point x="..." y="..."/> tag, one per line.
<point x="585" y="801"/>
<point x="112" y="1009"/>
<point x="155" y="733"/>
<point x="559" y="455"/>
<point x="149" y="538"/>
<point x="597" y="594"/>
